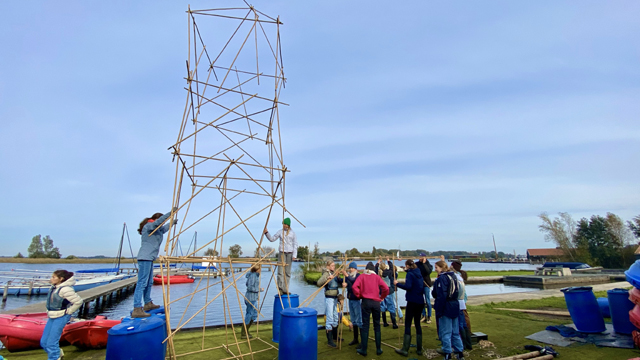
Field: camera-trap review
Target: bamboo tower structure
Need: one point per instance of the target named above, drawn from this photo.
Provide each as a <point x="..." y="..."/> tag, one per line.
<point x="229" y="167"/>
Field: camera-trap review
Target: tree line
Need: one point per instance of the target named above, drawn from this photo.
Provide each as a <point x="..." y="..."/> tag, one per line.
<point x="605" y="241"/>
<point x="41" y="248"/>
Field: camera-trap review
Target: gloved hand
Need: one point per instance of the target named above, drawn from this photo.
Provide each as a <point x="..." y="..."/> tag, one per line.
<point x="175" y="209"/>
<point x="175" y="221"/>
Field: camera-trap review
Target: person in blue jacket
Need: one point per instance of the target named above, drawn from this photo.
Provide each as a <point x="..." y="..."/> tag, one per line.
<point x="414" y="294"/>
<point x="251" y="300"/>
<point x="447" y="307"/>
<point x="149" y="248"/>
<point x="355" y="310"/>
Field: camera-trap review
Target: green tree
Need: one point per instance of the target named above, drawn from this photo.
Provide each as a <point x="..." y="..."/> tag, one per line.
<point x="316" y="251"/>
<point x="35" y="249"/>
<point x="50" y="251"/>
<point x="337" y="253"/>
<point x="211" y="252"/>
<point x="561" y="231"/>
<point x="373" y="252"/>
<point x="634" y="226"/>
<point x="264" y="250"/>
<point x="235" y="251"/>
<point x="303" y="252"/>
<point x="599" y="235"/>
<point x="19" y="256"/>
<point x="353" y="252"/>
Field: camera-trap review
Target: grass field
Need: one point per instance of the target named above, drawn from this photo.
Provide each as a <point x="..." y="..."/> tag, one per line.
<point x="506" y="330"/>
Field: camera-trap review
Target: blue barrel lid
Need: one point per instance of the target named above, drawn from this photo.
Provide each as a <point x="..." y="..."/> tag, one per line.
<point x="577" y="289"/>
<point x="633" y="274"/>
<point x="299" y="312"/>
<point x="286" y="296"/>
<point x="618" y="291"/>
<point x="136" y="325"/>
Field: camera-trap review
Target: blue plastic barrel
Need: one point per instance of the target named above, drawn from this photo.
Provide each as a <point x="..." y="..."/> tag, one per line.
<point x="299" y="334"/>
<point x="278" y="306"/>
<point x="584" y="309"/>
<point x="603" y="303"/>
<point x="620" y="305"/>
<point x="139" y="338"/>
<point x="633" y="274"/>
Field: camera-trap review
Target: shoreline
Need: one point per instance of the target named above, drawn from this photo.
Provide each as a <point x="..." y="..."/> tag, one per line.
<point x="12" y="260"/>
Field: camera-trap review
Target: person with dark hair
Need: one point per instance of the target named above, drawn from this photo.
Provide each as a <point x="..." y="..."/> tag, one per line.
<point x="386" y="272"/>
<point x="62" y="301"/>
<point x="149" y="249"/>
<point x="288" y="251"/>
<point x="463" y="323"/>
<point x="251" y="300"/>
<point x="329" y="277"/>
<point x="372" y="290"/>
<point x="445" y="292"/>
<point x="355" y="310"/>
<point x="425" y="268"/>
<point x="414" y="294"/>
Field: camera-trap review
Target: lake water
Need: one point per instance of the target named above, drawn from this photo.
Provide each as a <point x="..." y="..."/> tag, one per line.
<point x="215" y="314"/>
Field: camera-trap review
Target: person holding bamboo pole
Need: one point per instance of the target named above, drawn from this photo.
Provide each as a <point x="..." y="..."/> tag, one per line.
<point x="330" y="301"/>
<point x="425" y="268"/>
<point x="288" y="251"/>
<point x="149" y="249"/>
<point x="414" y="294"/>
<point x="372" y="290"/>
<point x="355" y="310"/>
<point x="251" y="299"/>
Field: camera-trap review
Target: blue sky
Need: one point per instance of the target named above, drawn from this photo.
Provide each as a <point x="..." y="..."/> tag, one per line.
<point x="420" y="125"/>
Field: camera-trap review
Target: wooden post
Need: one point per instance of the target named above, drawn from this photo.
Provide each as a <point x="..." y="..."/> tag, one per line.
<point x="5" y="293"/>
<point x="30" y="288"/>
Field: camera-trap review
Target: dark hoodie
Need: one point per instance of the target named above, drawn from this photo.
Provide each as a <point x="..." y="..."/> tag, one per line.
<point x="413" y="286"/>
<point x="445" y="291"/>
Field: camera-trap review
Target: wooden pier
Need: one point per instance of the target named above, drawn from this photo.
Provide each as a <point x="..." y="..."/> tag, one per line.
<point x="102" y="295"/>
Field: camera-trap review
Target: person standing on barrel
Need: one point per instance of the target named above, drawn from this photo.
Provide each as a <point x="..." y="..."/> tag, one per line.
<point x="149" y="249"/>
<point x="288" y="251"/>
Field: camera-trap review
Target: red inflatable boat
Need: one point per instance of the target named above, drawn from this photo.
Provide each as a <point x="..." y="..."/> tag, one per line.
<point x="89" y="334"/>
<point x="175" y="279"/>
<point x="22" y="332"/>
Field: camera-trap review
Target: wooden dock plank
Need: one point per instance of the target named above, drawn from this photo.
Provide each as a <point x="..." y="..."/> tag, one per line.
<point x="86" y="295"/>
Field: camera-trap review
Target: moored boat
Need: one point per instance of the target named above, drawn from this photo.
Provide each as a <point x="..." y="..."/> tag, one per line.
<point x="89" y="334"/>
<point x="22" y="332"/>
<point x="173" y="279"/>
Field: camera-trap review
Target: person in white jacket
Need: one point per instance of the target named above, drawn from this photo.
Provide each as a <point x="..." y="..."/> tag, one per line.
<point x="288" y="251"/>
<point x="62" y="301"/>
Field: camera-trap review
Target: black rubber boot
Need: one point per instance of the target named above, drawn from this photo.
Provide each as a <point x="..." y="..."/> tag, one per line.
<point x="334" y="332"/>
<point x="355" y="341"/>
<point x="364" y="335"/>
<point x="383" y="315"/>
<point x="393" y="320"/>
<point x="465" y="334"/>
<point x="447" y="357"/>
<point x="419" y="349"/>
<point x="406" y="342"/>
<point x="460" y="356"/>
<point x="330" y="340"/>
<point x="378" y="343"/>
<point x="245" y="334"/>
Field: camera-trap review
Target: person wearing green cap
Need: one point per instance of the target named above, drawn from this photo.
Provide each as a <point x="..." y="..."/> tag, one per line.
<point x="288" y="251"/>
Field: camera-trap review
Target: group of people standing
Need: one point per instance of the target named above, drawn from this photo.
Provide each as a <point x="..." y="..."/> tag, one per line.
<point x="372" y="293"/>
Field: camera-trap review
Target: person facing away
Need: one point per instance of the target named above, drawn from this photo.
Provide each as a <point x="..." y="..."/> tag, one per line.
<point x="288" y="251"/>
<point x="463" y="320"/>
<point x="386" y="272"/>
<point x="355" y="310"/>
<point x="446" y="293"/>
<point x="251" y="300"/>
<point x="62" y="301"/>
<point x="426" y="269"/>
<point x="414" y="294"/>
<point x="149" y="249"/>
<point x="330" y="301"/>
<point x="370" y="288"/>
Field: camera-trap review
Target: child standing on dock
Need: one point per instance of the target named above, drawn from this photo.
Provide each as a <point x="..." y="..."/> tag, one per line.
<point x="445" y="291"/>
<point x="62" y="301"/>
<point x="149" y="248"/>
<point x="251" y="300"/>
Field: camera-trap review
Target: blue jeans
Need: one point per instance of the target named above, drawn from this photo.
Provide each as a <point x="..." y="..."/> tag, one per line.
<point x="389" y="304"/>
<point x="252" y="313"/>
<point x="50" y="340"/>
<point x="331" y="313"/>
<point x="355" y="312"/>
<point x="449" y="333"/>
<point x="145" y="282"/>
<point x="427" y="299"/>
<point x="462" y="322"/>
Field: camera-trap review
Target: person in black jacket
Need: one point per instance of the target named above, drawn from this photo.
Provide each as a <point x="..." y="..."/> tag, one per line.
<point x="425" y="268"/>
<point x="414" y="295"/>
<point x="385" y="271"/>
